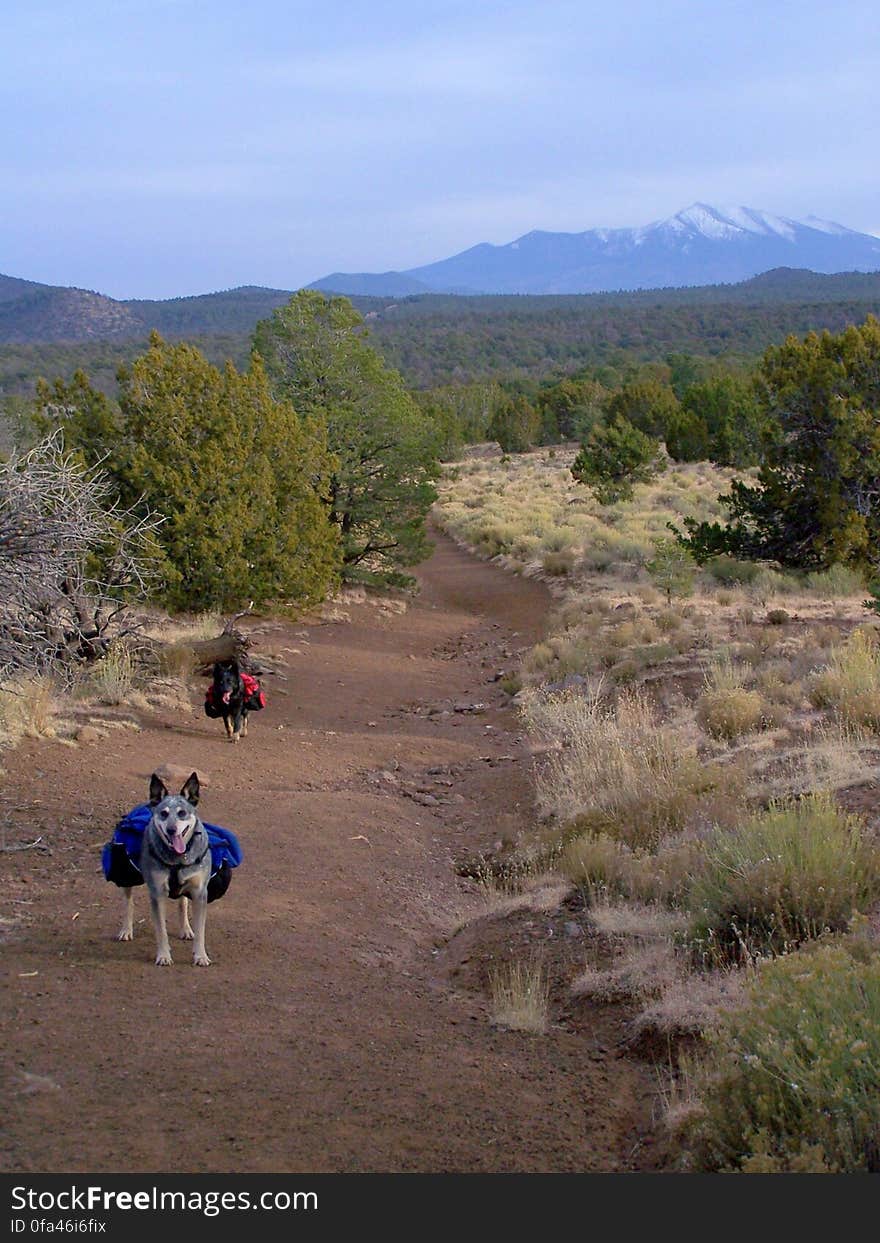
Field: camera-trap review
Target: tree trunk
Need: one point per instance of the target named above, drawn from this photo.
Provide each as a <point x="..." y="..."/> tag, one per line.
<point x="200" y="655"/>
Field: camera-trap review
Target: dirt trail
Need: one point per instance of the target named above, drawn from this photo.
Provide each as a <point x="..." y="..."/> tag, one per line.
<point x="339" y="1028"/>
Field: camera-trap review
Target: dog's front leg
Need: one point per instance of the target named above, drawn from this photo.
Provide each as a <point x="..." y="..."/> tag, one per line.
<point x="200" y="915"/>
<point x="186" y="932"/>
<point x="227" y="725"/>
<point x="126" y="932"/>
<point x="244" y="725"/>
<point x="163" y="949"/>
<point x="236" y="734"/>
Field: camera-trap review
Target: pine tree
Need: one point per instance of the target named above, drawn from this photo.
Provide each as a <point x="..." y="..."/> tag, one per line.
<point x="383" y="446"/>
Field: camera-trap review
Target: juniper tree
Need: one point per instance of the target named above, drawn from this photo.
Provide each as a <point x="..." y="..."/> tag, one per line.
<point x="88" y="420"/>
<point x="615" y="456"/>
<point x="239" y="478"/>
<point x="516" y="425"/>
<point x="647" y="404"/>
<point x="816" y="500"/>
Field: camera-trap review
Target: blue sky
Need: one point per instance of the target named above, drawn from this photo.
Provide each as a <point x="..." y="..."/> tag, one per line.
<point x="160" y="147"/>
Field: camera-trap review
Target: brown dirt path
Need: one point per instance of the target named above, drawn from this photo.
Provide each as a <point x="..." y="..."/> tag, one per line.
<point x="334" y="1031"/>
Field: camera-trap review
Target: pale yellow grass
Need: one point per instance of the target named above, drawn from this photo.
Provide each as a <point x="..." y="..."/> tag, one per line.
<point x="692" y="1003"/>
<point x="520" y="994"/>
<point x="661" y="721"/>
<point x="180" y="629"/>
<point x="28" y="708"/>
<point x="530" y="508"/>
<point x="615" y="768"/>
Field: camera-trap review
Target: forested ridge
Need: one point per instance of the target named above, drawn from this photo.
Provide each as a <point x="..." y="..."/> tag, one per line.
<point x="439" y="339"/>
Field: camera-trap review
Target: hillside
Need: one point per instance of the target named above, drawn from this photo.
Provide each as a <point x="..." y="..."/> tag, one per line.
<point x="30" y="313"/>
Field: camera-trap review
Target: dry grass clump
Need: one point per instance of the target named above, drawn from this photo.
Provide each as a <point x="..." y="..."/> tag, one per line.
<point x="558" y="563"/>
<point x="726" y="709"/>
<point x="837" y="583"/>
<point x="790" y="1080"/>
<point x="28" y="708"/>
<point x="641" y="921"/>
<point x="606" y="866"/>
<point x="786" y="875"/>
<point x="113" y="679"/>
<point x="644" y="969"/>
<point x="779" y="683"/>
<point x="528" y="879"/>
<point x="729" y="714"/>
<point x="692" y="1004"/>
<point x="832" y="757"/>
<point x="180" y="629"/>
<point x="520" y="994"/>
<point x="617" y="769"/>
<point x="849" y="685"/>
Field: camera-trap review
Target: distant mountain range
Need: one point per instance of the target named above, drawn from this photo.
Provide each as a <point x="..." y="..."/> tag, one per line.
<point x="701" y="245"/>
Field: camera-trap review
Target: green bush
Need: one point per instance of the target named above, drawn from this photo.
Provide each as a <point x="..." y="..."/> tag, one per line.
<point x="516" y="425"/>
<point x="785" y="876"/>
<point x="730" y="570"/>
<point x="790" y="1081"/>
<point x="672" y="568"/>
<point x="820" y="459"/>
<point x="380" y="484"/>
<point x="615" y="456"/>
<point x="558" y="563"/>
<point x="836" y="583"/>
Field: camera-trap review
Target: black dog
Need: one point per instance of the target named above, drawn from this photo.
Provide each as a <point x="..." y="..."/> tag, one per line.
<point x="233" y="694"/>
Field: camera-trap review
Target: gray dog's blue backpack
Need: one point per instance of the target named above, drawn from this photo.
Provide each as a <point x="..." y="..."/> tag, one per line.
<point x="121" y="856"/>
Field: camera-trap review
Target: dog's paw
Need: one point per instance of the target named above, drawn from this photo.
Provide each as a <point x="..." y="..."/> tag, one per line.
<point x="164" y="960"/>
<point x="186" y="934"/>
<point x="201" y="960"/>
<point x="235" y="738"/>
<point x="125" y="935"/>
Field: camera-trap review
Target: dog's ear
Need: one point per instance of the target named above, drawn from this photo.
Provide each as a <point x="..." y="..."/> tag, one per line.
<point x="157" y="790"/>
<point x="191" y="790"/>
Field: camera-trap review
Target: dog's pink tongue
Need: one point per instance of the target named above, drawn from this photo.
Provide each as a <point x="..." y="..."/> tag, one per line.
<point x="178" y="844"/>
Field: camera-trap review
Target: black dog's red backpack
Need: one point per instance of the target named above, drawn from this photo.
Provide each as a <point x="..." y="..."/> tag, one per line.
<point x="255" y="697"/>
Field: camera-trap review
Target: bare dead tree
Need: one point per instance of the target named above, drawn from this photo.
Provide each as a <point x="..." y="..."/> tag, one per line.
<point x="70" y="559"/>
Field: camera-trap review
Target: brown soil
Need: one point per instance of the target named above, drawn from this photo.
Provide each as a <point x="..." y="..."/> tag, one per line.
<point x="344" y="1024"/>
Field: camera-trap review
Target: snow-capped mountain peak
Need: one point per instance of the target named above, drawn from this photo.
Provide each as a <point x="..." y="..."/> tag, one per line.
<point x="706" y="220"/>
<point x="700" y="245"/>
<point x="722" y="223"/>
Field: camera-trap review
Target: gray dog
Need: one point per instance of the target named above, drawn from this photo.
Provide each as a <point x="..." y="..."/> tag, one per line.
<point x="175" y="863"/>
